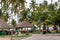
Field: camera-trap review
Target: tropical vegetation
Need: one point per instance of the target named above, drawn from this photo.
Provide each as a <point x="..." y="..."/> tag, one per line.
<point x="42" y="13"/>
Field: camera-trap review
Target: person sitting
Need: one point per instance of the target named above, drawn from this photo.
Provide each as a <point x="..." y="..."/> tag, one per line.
<point x="55" y="28"/>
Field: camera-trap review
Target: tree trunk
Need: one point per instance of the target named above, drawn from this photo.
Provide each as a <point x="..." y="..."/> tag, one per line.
<point x="48" y="31"/>
<point x="44" y="28"/>
<point x="39" y="29"/>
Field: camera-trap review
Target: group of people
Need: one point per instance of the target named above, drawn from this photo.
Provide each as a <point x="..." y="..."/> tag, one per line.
<point x="45" y="30"/>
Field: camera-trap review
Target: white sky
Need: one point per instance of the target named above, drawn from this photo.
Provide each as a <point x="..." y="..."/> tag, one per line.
<point x="40" y="1"/>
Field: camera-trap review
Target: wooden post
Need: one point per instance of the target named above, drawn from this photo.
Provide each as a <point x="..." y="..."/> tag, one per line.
<point x="27" y="31"/>
<point x="21" y="30"/>
<point x="2" y="29"/>
<point x="11" y="34"/>
<point x="9" y="31"/>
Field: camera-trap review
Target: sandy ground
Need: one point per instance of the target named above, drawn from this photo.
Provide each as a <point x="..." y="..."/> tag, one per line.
<point x="5" y="38"/>
<point x="38" y="37"/>
<point x="43" y="37"/>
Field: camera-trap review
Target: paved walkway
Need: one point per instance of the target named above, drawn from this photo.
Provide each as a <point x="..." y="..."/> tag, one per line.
<point x="43" y="37"/>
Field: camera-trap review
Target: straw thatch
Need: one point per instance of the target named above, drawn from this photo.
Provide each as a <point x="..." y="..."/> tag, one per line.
<point x="24" y="24"/>
<point x="5" y="25"/>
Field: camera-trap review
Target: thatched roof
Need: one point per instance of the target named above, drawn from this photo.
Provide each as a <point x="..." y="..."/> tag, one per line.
<point x="4" y="25"/>
<point x="24" y="24"/>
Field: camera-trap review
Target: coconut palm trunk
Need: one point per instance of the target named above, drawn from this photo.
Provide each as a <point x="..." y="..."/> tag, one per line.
<point x="44" y="28"/>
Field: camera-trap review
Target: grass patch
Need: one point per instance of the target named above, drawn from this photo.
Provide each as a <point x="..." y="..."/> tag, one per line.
<point x="16" y="37"/>
<point x="36" y="32"/>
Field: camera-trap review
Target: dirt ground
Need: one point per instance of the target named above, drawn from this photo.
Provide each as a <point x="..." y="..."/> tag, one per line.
<point x="37" y="37"/>
<point x="43" y="37"/>
<point x="5" y="38"/>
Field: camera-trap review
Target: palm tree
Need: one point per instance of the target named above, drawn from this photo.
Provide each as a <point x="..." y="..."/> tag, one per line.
<point x="4" y="6"/>
<point x="33" y="9"/>
<point x="1" y="14"/>
<point x="45" y="4"/>
<point x="51" y="6"/>
<point x="4" y="9"/>
<point x="33" y="5"/>
<point x="56" y="5"/>
<point x="24" y="15"/>
<point x="17" y="6"/>
<point x="43" y="14"/>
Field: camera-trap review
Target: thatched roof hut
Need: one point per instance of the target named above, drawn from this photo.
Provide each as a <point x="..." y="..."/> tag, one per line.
<point x="24" y="24"/>
<point x="4" y="25"/>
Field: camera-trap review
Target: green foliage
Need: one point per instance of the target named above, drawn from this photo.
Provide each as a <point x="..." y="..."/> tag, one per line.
<point x="24" y="14"/>
<point x="13" y="22"/>
<point x="5" y="17"/>
<point x="37" y="12"/>
<point x="55" y="18"/>
<point x="1" y="14"/>
<point x="33" y="5"/>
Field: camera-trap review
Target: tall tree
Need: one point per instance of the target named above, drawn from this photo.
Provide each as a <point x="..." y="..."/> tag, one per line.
<point x="33" y="5"/>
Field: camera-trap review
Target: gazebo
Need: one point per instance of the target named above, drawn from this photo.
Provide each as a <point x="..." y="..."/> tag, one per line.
<point x="24" y="24"/>
<point x="4" y="25"/>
